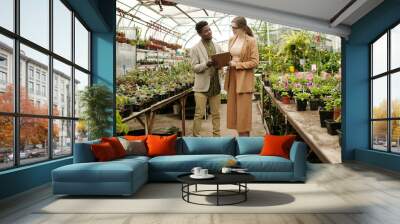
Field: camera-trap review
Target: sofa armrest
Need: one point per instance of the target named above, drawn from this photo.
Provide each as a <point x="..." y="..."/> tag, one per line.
<point x="298" y="157"/>
<point x="83" y="152"/>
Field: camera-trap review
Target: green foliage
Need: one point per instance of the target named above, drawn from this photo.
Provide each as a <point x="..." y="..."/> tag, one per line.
<point x="121" y="101"/>
<point x="97" y="103"/>
<point x="302" y="96"/>
<point x="284" y="93"/>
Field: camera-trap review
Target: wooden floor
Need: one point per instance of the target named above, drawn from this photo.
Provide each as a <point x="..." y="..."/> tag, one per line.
<point x="378" y="189"/>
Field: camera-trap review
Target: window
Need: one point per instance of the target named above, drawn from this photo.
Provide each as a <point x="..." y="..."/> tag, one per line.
<point x="6" y="73"/>
<point x="35" y="21"/>
<point x="44" y="91"/>
<point x="62" y="29"/>
<point x="62" y="74"/>
<point x="385" y="96"/>
<point x="7" y="14"/>
<point x="81" y="45"/>
<point x="30" y="88"/>
<point x="45" y="131"/>
<point x="30" y="72"/>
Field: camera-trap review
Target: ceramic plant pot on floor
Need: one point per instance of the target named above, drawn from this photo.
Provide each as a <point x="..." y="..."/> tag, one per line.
<point x="325" y="115"/>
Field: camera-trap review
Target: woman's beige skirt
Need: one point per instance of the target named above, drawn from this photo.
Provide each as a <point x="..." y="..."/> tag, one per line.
<point x="239" y="108"/>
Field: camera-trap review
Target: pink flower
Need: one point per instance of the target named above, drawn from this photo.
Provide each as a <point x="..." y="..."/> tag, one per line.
<point x="310" y="76"/>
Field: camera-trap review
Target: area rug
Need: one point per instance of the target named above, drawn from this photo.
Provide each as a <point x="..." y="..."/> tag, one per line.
<point x="166" y="198"/>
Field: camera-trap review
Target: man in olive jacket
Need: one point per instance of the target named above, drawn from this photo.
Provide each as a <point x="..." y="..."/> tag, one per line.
<point x="207" y="84"/>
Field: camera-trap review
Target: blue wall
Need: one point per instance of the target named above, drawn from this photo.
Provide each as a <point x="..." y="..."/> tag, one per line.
<point x="356" y="85"/>
<point x="99" y="16"/>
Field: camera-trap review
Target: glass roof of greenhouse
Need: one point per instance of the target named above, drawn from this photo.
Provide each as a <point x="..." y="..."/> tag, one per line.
<point x="171" y="23"/>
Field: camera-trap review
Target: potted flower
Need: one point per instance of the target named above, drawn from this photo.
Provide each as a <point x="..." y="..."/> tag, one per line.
<point x="326" y="112"/>
<point x="301" y="100"/>
<point x="337" y="107"/>
<point x="315" y="100"/>
<point x="333" y="125"/>
<point x="285" y="97"/>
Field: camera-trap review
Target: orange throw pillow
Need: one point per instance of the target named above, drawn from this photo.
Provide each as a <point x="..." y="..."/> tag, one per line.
<point x="161" y="145"/>
<point x="103" y="152"/>
<point x="135" y="138"/>
<point x="277" y="145"/>
<point x="116" y="145"/>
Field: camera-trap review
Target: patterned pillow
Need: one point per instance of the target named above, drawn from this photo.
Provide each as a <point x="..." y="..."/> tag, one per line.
<point x="134" y="147"/>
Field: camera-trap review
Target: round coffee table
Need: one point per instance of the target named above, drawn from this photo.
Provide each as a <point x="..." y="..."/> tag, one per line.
<point x="238" y="179"/>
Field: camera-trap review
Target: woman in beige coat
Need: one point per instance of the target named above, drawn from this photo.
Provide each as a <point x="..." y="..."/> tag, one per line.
<point x="239" y="82"/>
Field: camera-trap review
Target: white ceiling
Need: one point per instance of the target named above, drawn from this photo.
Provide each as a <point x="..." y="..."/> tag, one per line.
<point x="313" y="15"/>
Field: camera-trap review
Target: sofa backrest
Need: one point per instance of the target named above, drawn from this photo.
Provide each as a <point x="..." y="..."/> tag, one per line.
<point x="83" y="153"/>
<point x="206" y="145"/>
<point x="249" y="145"/>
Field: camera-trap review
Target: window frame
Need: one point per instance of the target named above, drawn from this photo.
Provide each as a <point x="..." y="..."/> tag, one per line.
<point x="16" y="114"/>
<point x="388" y="74"/>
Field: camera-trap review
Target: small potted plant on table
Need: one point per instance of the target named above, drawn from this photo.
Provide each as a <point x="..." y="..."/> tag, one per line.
<point x="326" y="112"/>
<point x="333" y="125"/>
<point x="301" y="100"/>
<point x="285" y="97"/>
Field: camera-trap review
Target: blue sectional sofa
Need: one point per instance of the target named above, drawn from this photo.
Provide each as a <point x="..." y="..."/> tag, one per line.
<point x="125" y="176"/>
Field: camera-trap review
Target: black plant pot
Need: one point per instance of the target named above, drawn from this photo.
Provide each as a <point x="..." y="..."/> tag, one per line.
<point x="257" y="96"/>
<point x="332" y="126"/>
<point x="325" y="115"/>
<point x="301" y="105"/>
<point x="266" y="83"/>
<point x="314" y="104"/>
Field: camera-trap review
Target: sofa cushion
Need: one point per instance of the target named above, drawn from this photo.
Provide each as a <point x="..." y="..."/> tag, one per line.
<point x="103" y="152"/>
<point x="207" y="145"/>
<point x="249" y="145"/>
<point x="185" y="163"/>
<point x="134" y="147"/>
<point x="275" y="145"/>
<point x="112" y="171"/>
<point x="257" y="163"/>
<point x="161" y="145"/>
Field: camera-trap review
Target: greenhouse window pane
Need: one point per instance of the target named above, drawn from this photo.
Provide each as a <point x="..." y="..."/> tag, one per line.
<point x="379" y="98"/>
<point x="379" y="56"/>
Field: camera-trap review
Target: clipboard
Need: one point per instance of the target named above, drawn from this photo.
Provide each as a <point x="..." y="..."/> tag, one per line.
<point x="221" y="59"/>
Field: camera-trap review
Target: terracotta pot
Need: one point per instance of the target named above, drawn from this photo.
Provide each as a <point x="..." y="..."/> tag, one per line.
<point x="336" y="112"/>
<point x="285" y="99"/>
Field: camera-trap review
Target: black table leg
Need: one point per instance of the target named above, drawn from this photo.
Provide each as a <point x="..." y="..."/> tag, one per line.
<point x="196" y="187"/>
<point x="217" y="194"/>
<point x="245" y="193"/>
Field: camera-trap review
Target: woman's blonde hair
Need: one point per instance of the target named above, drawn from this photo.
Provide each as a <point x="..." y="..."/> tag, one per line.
<point x="241" y="22"/>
